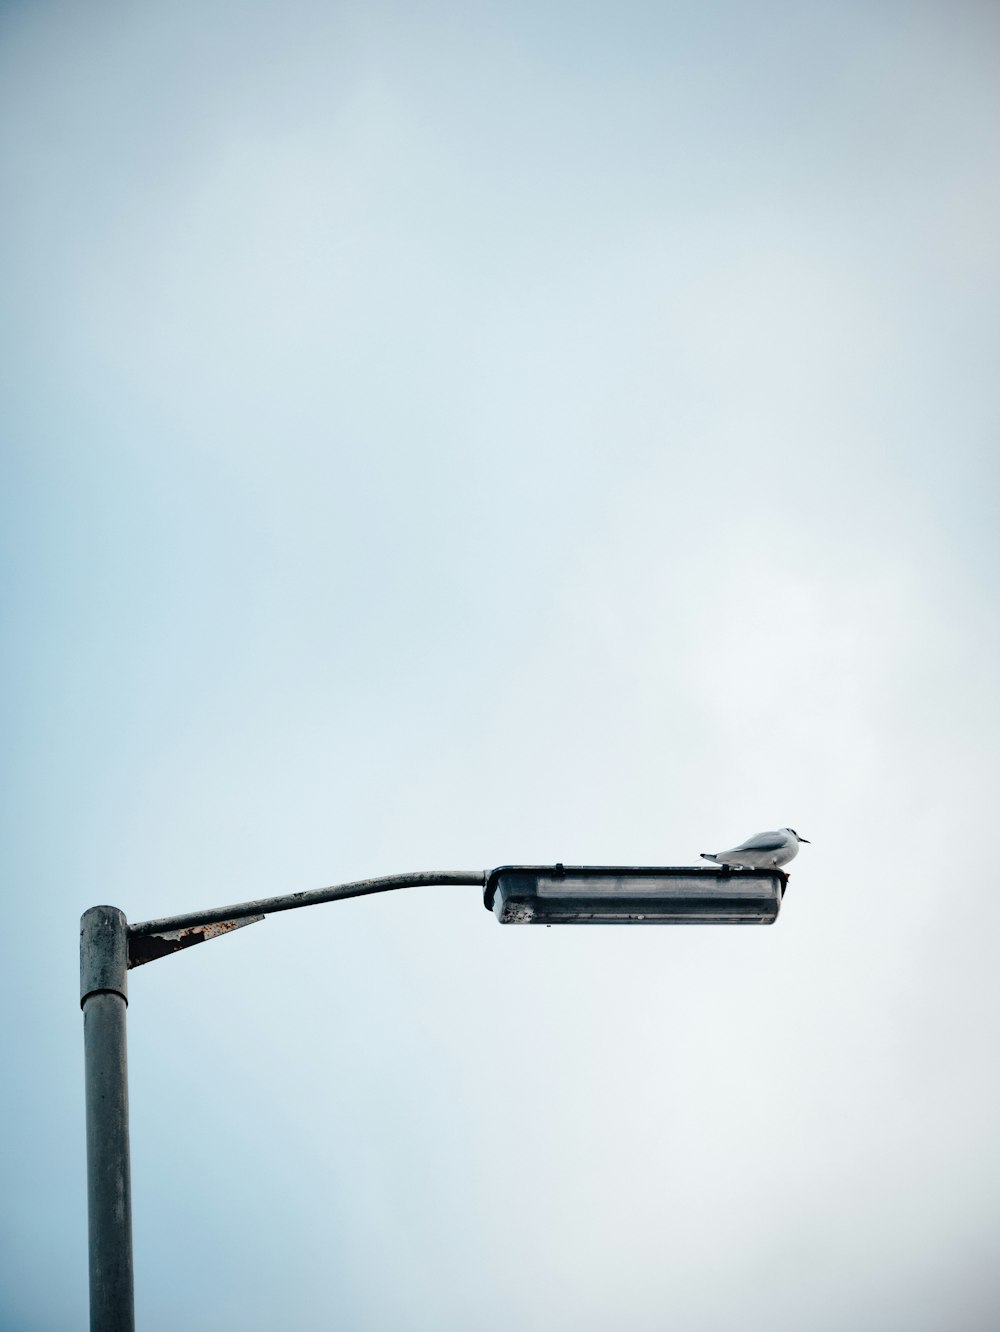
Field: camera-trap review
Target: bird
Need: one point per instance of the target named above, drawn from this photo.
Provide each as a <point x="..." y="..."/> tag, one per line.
<point x="768" y="850"/>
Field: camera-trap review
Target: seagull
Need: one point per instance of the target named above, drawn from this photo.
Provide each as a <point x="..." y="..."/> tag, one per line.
<point x="768" y="850"/>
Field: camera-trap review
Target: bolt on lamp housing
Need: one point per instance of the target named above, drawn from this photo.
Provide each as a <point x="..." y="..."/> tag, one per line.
<point x="629" y="895"/>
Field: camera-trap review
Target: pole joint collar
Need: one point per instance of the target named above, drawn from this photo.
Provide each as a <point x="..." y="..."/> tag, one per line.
<point x="103" y="953"/>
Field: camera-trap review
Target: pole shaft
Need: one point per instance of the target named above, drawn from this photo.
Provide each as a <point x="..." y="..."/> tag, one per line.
<point x="104" y="999"/>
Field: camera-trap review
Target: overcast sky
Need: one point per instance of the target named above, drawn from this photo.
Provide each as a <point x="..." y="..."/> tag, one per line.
<point x="447" y="435"/>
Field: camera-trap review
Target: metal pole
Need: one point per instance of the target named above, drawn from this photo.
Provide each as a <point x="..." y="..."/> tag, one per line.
<point x="104" y="999"/>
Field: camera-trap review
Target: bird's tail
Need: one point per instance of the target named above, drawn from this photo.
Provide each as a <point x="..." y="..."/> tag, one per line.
<point x="705" y="856"/>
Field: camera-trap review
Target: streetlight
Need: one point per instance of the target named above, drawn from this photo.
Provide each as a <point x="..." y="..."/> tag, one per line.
<point x="516" y="894"/>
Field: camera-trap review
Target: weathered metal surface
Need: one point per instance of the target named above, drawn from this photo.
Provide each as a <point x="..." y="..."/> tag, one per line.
<point x="265" y="906"/>
<point x="148" y="947"/>
<point x="103" y="951"/>
<point x="633" y="895"/>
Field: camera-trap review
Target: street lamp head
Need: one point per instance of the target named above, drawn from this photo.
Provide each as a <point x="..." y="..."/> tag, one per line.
<point x="629" y="895"/>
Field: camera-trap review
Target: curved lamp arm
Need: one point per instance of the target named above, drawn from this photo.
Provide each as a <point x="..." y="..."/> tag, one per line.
<point x="150" y="939"/>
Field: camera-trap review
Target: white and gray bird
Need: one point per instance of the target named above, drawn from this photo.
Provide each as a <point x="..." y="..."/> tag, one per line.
<point x="768" y="850"/>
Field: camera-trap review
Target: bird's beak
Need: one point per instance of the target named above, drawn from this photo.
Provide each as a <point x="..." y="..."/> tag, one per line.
<point x="804" y="839"/>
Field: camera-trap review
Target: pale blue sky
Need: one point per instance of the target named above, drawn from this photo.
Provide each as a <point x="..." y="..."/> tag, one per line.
<point x="448" y="435"/>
